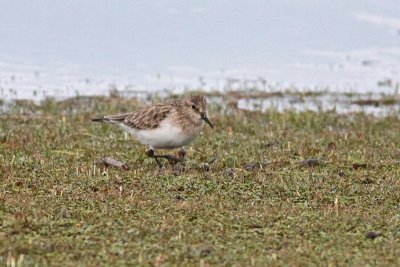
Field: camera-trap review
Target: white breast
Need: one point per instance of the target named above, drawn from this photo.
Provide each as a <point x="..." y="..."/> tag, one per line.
<point x="164" y="136"/>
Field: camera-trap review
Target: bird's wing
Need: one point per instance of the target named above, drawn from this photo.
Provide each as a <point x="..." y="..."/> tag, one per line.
<point x="147" y="118"/>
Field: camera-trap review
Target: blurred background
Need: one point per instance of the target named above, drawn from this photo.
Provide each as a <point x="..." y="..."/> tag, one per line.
<point x="65" y="48"/>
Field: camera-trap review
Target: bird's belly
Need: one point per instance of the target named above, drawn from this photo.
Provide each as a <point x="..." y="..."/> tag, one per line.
<point x="166" y="136"/>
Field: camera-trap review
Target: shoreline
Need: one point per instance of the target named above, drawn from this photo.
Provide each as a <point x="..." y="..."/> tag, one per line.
<point x="376" y="104"/>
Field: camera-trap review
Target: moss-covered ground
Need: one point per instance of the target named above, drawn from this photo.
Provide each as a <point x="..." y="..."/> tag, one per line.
<point x="261" y="189"/>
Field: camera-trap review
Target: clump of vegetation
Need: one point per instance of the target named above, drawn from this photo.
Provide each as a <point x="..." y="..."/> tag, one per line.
<point x="392" y="100"/>
<point x="291" y="188"/>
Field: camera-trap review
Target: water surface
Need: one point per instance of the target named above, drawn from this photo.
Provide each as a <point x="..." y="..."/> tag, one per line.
<point x="64" y="48"/>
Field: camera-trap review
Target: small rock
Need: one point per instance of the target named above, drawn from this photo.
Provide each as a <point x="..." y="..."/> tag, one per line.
<point x="110" y="162"/>
<point x="372" y="235"/>
<point x="206" y="251"/>
<point x="250" y="166"/>
<point x="205" y="167"/>
<point x="229" y="172"/>
<point x="203" y="250"/>
<point x="310" y="162"/>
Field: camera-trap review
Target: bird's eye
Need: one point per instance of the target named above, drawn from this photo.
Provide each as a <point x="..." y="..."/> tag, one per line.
<point x="194" y="107"/>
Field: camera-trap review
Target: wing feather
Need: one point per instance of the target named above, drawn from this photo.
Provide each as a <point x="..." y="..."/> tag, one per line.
<point x="148" y="118"/>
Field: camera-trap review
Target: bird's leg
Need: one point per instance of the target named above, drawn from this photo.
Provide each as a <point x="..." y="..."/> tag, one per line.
<point x="171" y="159"/>
<point x="150" y="154"/>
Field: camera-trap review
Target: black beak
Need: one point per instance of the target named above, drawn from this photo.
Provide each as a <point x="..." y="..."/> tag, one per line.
<point x="204" y="117"/>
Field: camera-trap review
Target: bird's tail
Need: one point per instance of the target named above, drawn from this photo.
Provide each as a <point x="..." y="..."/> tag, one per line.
<point x="111" y="119"/>
<point x="99" y="120"/>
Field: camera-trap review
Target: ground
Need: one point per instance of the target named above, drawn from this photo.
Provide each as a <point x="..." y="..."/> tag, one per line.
<point x="262" y="188"/>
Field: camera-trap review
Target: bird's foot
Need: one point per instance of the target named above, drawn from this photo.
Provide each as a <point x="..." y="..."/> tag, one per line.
<point x="173" y="160"/>
<point x="150" y="153"/>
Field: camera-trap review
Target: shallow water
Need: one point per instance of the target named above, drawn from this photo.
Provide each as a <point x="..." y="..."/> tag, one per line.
<point x="376" y="104"/>
<point x="372" y="104"/>
<point x="61" y="49"/>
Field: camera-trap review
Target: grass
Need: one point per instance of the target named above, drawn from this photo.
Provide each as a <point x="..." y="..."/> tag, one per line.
<point x="257" y="204"/>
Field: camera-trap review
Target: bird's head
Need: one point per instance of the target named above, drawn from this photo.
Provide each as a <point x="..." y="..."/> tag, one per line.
<point x="196" y="105"/>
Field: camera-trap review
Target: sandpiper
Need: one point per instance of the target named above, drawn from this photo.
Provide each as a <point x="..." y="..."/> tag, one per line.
<point x="166" y="125"/>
